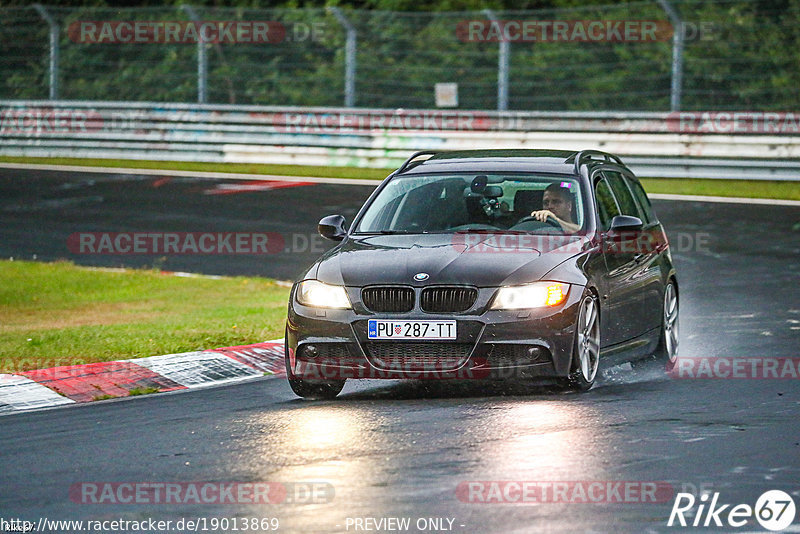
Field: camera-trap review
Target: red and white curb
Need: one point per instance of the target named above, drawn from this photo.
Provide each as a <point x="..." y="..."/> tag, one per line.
<point x="44" y="388"/>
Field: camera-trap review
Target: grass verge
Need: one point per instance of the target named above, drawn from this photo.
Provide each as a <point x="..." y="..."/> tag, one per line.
<point x="675" y="186"/>
<point x="724" y="188"/>
<point x="55" y="314"/>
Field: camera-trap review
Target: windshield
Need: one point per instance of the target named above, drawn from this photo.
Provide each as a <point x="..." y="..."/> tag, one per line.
<point x="476" y="202"/>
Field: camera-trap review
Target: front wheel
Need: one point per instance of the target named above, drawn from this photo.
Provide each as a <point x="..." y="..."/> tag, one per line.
<point x="586" y="352"/>
<point x="667" y="349"/>
<point x="316" y="389"/>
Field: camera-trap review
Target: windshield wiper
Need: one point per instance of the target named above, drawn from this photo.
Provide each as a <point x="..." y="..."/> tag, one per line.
<point x="486" y="231"/>
<point x="463" y="231"/>
<point x="388" y="232"/>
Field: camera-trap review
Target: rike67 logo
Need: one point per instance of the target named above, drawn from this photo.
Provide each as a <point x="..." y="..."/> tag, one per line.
<point x="774" y="510"/>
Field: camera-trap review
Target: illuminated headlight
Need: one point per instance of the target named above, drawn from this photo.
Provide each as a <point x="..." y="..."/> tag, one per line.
<point x="537" y="295"/>
<point x="318" y="295"/>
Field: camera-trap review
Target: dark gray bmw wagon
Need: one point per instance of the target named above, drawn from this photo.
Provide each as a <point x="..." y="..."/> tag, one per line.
<point x="487" y="264"/>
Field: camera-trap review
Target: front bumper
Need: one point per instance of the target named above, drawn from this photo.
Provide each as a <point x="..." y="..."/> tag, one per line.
<point x="492" y="344"/>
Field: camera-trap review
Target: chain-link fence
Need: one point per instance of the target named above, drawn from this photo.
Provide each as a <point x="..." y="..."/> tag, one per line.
<point x="740" y="55"/>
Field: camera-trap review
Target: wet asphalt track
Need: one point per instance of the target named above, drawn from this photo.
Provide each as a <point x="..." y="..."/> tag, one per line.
<point x="401" y="449"/>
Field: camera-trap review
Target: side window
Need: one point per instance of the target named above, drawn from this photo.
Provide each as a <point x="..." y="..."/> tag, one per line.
<point x="623" y="195"/>
<point x="641" y="198"/>
<point x="606" y="205"/>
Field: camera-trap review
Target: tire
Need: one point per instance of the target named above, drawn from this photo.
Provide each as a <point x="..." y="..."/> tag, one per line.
<point x="311" y="389"/>
<point x="586" y="350"/>
<point x="316" y="389"/>
<point x="667" y="349"/>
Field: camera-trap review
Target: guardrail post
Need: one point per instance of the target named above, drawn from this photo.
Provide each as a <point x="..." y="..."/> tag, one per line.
<point x="502" y="65"/>
<point x="54" y="48"/>
<point x="350" y="57"/>
<point x="202" y="60"/>
<point x="677" y="55"/>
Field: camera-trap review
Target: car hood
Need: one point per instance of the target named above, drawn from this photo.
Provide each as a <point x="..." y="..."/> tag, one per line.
<point x="477" y="259"/>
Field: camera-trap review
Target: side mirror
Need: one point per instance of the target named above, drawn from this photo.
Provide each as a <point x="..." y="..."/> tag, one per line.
<point x="332" y="227"/>
<point x="625" y="223"/>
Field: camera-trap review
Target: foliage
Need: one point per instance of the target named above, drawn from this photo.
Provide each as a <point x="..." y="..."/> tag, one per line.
<point x="747" y="57"/>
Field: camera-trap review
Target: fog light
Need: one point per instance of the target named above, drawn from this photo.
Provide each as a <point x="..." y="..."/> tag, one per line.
<point x="310" y="351"/>
<point x="535" y="353"/>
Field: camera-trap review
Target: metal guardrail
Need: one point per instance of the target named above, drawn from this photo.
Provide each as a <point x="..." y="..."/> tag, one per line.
<point x="653" y="144"/>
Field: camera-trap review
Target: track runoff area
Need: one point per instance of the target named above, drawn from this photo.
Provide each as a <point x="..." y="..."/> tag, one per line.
<point x="731" y="439"/>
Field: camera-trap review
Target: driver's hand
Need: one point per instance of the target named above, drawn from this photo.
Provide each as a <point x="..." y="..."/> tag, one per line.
<point x="542" y="215"/>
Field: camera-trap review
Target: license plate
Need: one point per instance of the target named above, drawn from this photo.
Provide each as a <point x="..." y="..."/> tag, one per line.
<point x="386" y="329"/>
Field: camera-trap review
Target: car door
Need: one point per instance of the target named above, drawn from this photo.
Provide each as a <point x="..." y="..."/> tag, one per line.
<point x="621" y="300"/>
<point x="653" y="247"/>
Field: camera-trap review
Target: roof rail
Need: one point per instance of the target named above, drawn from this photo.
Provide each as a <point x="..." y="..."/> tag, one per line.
<point x="586" y="155"/>
<point x="414" y="156"/>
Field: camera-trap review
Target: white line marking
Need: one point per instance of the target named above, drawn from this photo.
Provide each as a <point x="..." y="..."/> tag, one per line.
<point x="181" y="274"/>
<point x="730" y="200"/>
<point x="340" y="181"/>
<point x="188" y="174"/>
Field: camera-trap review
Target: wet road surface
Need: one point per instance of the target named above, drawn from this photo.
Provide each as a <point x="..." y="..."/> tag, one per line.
<point x="404" y="449"/>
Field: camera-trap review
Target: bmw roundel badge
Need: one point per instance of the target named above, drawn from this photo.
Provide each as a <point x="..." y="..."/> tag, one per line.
<point x="421" y="277"/>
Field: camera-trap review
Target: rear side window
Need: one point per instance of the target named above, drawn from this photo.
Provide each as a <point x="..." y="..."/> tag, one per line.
<point x="606" y="205"/>
<point x="623" y="195"/>
<point x="641" y="198"/>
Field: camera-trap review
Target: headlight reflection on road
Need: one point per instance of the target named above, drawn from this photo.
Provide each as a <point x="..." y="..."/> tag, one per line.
<point x="543" y="439"/>
<point x="321" y="427"/>
<point x="325" y="442"/>
<point x="331" y="444"/>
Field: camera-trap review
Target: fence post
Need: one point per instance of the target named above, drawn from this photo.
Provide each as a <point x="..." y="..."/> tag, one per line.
<point x="350" y="57"/>
<point x="502" y="65"/>
<point x="54" y="49"/>
<point x="677" y="55"/>
<point x="202" y="60"/>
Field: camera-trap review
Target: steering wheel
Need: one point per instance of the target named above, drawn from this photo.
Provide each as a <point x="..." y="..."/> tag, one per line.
<point x="550" y="220"/>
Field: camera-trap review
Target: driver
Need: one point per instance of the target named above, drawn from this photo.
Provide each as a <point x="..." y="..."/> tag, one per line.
<point x="557" y="203"/>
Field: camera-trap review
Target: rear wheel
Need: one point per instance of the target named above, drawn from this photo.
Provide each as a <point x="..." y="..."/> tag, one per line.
<point x="586" y="352"/>
<point x="667" y="349"/>
<point x="311" y="389"/>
